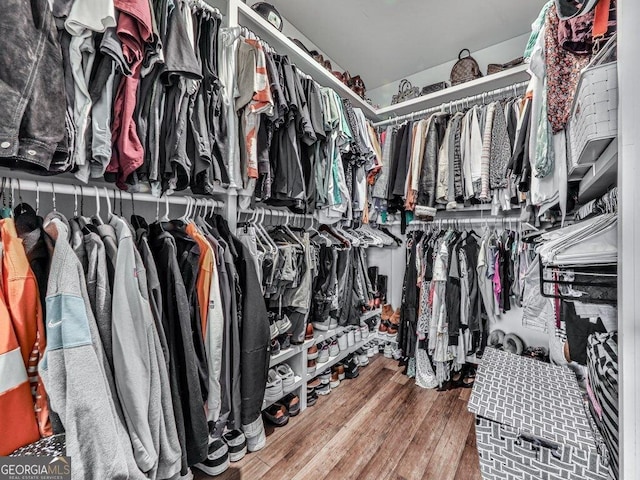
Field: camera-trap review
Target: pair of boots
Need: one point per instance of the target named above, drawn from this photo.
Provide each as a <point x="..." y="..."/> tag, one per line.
<point x="379" y="285"/>
<point x="390" y="320"/>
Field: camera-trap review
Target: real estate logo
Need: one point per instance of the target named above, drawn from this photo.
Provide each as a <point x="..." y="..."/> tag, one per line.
<point x="30" y="467"/>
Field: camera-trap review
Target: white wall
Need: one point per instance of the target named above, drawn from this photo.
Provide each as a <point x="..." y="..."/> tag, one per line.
<point x="291" y="31"/>
<point x="499" y="53"/>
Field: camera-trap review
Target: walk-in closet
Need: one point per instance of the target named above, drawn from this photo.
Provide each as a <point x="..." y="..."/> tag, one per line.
<point x="319" y="240"/>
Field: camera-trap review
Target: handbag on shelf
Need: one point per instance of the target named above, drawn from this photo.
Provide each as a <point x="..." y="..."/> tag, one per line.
<point x="406" y="91"/>
<point x="465" y="69"/>
<point x="501" y="67"/>
<point x="433" y="88"/>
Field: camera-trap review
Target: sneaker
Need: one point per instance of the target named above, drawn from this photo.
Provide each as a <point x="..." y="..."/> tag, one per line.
<point x="284" y="324"/>
<point x="333" y="323"/>
<point x="387" y="350"/>
<point x="277" y="415"/>
<point x="323" y="353"/>
<point x="396" y="353"/>
<point x="273" y="329"/>
<point x="392" y="333"/>
<point x="324" y="325"/>
<point x="325" y="377"/>
<point x="237" y="443"/>
<point x="334" y="350"/>
<point x="311" y="367"/>
<point x="312" y="397"/>
<point x="340" y="369"/>
<point x="285" y="341"/>
<point x="351" y="369"/>
<point x="324" y="389"/>
<point x="275" y="347"/>
<point x="371" y="350"/>
<point x="362" y="358"/>
<point x="292" y="402"/>
<point x="312" y="352"/>
<point x="274" y="390"/>
<point x="342" y="341"/>
<point x="351" y="339"/>
<point x="287" y="375"/>
<point x="357" y="334"/>
<point x="314" y="383"/>
<point x="364" y="332"/>
<point x="217" y="460"/>
<point x="309" y="332"/>
<point x="255" y="434"/>
<point x="335" y="380"/>
<point x="381" y="347"/>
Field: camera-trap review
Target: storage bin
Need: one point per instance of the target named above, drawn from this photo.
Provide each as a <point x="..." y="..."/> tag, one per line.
<point x="593" y="123"/>
<point x="531" y="422"/>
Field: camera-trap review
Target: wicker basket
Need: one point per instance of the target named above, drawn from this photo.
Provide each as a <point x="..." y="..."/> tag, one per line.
<point x="593" y="123"/>
<point x="531" y="423"/>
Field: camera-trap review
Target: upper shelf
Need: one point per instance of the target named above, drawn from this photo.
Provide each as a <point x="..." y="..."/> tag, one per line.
<point x="458" y="92"/>
<point x="249" y="18"/>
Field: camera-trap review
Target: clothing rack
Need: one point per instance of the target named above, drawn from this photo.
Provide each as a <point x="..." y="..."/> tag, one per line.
<point x="514" y="90"/>
<point x="505" y="222"/>
<point x="259" y="214"/>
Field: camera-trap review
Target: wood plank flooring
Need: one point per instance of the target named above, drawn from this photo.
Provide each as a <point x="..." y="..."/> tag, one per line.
<point x="380" y="426"/>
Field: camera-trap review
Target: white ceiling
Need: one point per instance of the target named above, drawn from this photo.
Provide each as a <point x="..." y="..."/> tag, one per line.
<point x="385" y="40"/>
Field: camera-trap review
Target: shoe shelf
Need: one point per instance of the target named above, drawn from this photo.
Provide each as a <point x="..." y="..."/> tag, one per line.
<point x="321" y="367"/>
<point x="289" y="352"/>
<point x="372" y="313"/>
<point x="322" y="335"/>
<point x="286" y="391"/>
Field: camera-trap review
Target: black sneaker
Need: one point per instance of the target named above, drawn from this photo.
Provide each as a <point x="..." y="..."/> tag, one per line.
<point x="351" y="369"/>
<point x="237" y="443"/>
<point x="275" y="347"/>
<point x="292" y="402"/>
<point x="312" y="396"/>
<point x="217" y="460"/>
<point x="277" y="414"/>
<point x="285" y="341"/>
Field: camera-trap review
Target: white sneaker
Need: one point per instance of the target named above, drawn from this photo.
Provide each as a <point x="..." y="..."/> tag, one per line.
<point x="342" y="341"/>
<point x="357" y="334"/>
<point x="387" y="350"/>
<point x="274" y="390"/>
<point x="283" y="324"/>
<point x="364" y="331"/>
<point x="334" y="349"/>
<point x="371" y="350"/>
<point x="324" y="326"/>
<point x="351" y="338"/>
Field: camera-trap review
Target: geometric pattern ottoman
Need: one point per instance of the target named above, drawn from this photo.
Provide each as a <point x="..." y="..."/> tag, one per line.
<point x="531" y="422"/>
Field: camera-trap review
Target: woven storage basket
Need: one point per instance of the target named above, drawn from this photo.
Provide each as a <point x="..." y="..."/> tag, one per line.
<point x="531" y="423"/>
<point x="593" y="123"/>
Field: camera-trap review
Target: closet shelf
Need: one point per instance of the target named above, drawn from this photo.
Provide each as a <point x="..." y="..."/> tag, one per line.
<point x="249" y="18"/>
<point x="286" y="391"/>
<point x="601" y="176"/>
<point x="321" y="367"/>
<point x="474" y="87"/>
<point x="372" y="313"/>
<point x="289" y="352"/>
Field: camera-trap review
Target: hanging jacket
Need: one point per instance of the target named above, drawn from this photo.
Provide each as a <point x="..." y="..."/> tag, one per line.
<point x="73" y="369"/>
<point x="428" y="173"/>
<point x="22" y="298"/>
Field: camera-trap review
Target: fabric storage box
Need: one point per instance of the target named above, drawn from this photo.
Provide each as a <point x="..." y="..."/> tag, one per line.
<point x="531" y="422"/>
<point x="593" y="123"/>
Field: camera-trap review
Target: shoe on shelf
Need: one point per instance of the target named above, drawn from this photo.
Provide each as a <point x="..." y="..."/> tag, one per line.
<point x="277" y="414"/>
<point x="323" y="352"/>
<point x="342" y="341"/>
<point x="335" y="380"/>
<point x="325" y="377"/>
<point x="292" y="402"/>
<point x="322" y="326"/>
<point x="351" y="369"/>
<point x="392" y="333"/>
<point x="357" y="334"/>
<point x="284" y="324"/>
<point x="396" y="353"/>
<point x="311" y="367"/>
<point x="364" y="332"/>
<point x="381" y="347"/>
<point x="312" y="352"/>
<point x="324" y="389"/>
<point x="387" y="311"/>
<point x="285" y="341"/>
<point x="275" y="347"/>
<point x="371" y="350"/>
<point x="287" y="375"/>
<point x="314" y="383"/>
<point x="274" y="390"/>
<point x="351" y="338"/>
<point x="217" y="460"/>
<point x="273" y="328"/>
<point x="363" y="359"/>
<point x="237" y="443"/>
<point x="387" y="350"/>
<point x="339" y="368"/>
<point x="309" y="332"/>
<point x="382" y="327"/>
<point x="312" y="396"/>
<point x="334" y="349"/>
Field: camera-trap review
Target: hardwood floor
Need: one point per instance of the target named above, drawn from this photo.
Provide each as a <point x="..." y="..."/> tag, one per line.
<point x="380" y="426"/>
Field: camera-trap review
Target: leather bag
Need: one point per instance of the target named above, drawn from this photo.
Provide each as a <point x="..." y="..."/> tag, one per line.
<point x="465" y="69"/>
<point x="406" y="91"/>
<point x="500" y="67"/>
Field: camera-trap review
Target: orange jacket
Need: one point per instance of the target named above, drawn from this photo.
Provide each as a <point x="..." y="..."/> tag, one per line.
<point x="21" y="327"/>
<point x="205" y="269"/>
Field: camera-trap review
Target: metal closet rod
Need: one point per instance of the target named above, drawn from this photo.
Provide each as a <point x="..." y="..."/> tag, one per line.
<point x="90" y="191"/>
<point x="274" y="212"/>
<point x="467" y="221"/>
<point x="456" y="103"/>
